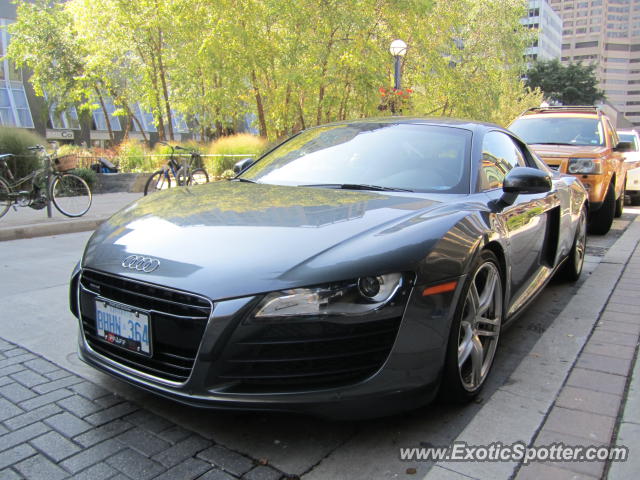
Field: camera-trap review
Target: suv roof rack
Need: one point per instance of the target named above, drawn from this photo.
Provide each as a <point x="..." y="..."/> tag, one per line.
<point x="565" y="108"/>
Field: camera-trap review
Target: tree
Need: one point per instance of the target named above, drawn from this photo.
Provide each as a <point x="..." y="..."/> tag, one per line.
<point x="571" y="84"/>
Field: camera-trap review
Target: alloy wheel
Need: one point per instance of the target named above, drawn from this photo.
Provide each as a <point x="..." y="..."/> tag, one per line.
<point x="480" y="326"/>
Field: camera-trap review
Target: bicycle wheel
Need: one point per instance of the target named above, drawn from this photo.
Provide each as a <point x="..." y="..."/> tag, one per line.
<point x="198" y="177"/>
<point x="5" y="201"/>
<point x="160" y="180"/>
<point x="71" y="195"/>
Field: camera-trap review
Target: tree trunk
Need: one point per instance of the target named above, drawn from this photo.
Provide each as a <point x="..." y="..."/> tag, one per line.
<point x="106" y="114"/>
<point x="136" y="121"/>
<point x="261" y="117"/>
<point x="163" y="81"/>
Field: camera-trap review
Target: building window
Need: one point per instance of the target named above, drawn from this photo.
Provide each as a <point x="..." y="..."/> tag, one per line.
<point x="145" y="118"/>
<point x="14" y="108"/>
<point x="100" y="120"/>
<point x="64" y="120"/>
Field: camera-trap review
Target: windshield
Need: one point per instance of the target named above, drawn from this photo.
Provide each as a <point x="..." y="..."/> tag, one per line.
<point x="631" y="138"/>
<point x="559" y="130"/>
<point x="422" y="158"/>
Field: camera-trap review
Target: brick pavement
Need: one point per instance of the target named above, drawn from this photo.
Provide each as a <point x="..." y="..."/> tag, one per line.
<point x="589" y="406"/>
<point x="56" y="425"/>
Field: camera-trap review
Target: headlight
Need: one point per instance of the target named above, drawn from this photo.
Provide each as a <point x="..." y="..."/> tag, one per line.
<point x="355" y="297"/>
<point x="584" y="165"/>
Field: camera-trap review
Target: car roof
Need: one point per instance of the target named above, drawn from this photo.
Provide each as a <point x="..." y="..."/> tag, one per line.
<point x="628" y="131"/>
<point x="436" y="121"/>
<point x="573" y="110"/>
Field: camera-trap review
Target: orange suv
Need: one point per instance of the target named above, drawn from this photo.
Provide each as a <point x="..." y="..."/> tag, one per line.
<point x="582" y="142"/>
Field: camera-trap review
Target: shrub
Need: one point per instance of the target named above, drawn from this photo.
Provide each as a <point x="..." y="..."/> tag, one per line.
<point x="16" y="141"/>
<point x="133" y="157"/>
<point x="87" y="175"/>
<point x="240" y="144"/>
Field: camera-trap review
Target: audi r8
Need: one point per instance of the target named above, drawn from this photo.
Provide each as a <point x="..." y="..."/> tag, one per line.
<point x="357" y="269"/>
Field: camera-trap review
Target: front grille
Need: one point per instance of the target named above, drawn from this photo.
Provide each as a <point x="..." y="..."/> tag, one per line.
<point x="177" y="319"/>
<point x="310" y="355"/>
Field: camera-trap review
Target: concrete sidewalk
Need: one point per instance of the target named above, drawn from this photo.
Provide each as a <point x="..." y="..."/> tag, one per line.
<point x="28" y="223"/>
<point x="573" y="386"/>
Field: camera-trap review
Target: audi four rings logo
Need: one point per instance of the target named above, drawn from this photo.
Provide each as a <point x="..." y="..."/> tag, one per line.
<point x="140" y="263"/>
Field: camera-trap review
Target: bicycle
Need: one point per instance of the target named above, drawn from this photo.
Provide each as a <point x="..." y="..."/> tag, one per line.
<point x="188" y="172"/>
<point x="69" y="193"/>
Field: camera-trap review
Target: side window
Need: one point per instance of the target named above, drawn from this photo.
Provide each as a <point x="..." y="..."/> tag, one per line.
<point x="499" y="155"/>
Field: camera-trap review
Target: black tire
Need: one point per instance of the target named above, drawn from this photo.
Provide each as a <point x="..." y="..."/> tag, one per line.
<point x="572" y="267"/>
<point x="5" y="201"/>
<point x="459" y="384"/>
<point x="71" y="195"/>
<point x="601" y="220"/>
<point x="198" y="177"/>
<point x="160" y="180"/>
<point x="620" y="203"/>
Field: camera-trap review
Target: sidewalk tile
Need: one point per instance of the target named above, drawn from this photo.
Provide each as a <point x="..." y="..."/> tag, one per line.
<point x="23" y="435"/>
<point x="41" y="400"/>
<point x="92" y="455"/>
<point x="29" y="378"/>
<point x="228" y="460"/>
<point x="15" y="454"/>
<point x="55" y="446"/>
<point x="40" y="468"/>
<point x="602" y="363"/>
<point x="621" y="327"/>
<point x="104" y="432"/>
<point x="610" y="350"/>
<point x="181" y="451"/>
<point x="593" y="469"/>
<point x="134" y="465"/>
<point x="188" y="470"/>
<point x="79" y="406"/>
<point x="589" y="401"/>
<point x="67" y="424"/>
<point x="215" y="474"/>
<point x="143" y="442"/>
<point x="549" y="471"/>
<point x="598" y="381"/>
<point x="33" y="416"/>
<point x="581" y="424"/>
<point x="111" y="413"/>
<point x="100" y="471"/>
<point x="263" y="472"/>
<point x="605" y="336"/>
<point x="16" y="393"/>
<point x="8" y="410"/>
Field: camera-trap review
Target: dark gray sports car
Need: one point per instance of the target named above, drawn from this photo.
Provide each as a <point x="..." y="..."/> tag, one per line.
<point x="356" y="269"/>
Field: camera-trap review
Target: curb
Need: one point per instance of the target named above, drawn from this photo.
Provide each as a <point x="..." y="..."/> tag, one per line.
<point x="50" y="228"/>
<point x="523" y="403"/>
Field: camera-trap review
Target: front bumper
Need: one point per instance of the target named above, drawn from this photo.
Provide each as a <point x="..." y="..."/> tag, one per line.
<point x="633" y="181"/>
<point x="408" y="374"/>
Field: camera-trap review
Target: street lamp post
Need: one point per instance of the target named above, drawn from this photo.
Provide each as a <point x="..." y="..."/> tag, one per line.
<point x="398" y="49"/>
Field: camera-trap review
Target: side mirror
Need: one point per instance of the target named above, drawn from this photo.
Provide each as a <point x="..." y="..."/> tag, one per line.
<point x="623" y="147"/>
<point x="242" y="165"/>
<point x="524" y="180"/>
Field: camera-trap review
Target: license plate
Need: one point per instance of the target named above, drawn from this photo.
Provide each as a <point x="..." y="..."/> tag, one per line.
<point x="124" y="327"/>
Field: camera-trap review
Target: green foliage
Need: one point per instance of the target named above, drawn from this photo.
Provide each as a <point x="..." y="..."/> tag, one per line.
<point x="227" y="174"/>
<point x="87" y="175"/>
<point x="133" y="157"/>
<point x="572" y="84"/>
<point x="290" y="64"/>
<point x="242" y="144"/>
<point x="16" y="141"/>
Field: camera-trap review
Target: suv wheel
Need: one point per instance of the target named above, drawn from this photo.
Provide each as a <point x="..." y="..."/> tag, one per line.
<point x="601" y="220"/>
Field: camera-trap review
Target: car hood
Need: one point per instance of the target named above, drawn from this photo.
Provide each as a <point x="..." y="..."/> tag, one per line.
<point x="567" y="150"/>
<point x="231" y="239"/>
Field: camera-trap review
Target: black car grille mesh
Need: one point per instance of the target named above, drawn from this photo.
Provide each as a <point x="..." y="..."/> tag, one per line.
<point x="178" y="320"/>
<point x="308" y="355"/>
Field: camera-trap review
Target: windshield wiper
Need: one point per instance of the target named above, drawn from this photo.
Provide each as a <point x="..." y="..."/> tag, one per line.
<point x="358" y="186"/>
<point x="240" y="179"/>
